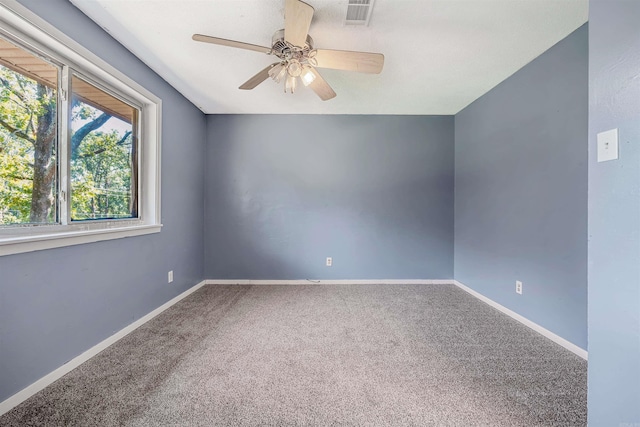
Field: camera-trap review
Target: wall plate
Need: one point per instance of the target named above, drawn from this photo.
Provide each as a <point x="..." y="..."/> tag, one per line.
<point x="608" y="145"/>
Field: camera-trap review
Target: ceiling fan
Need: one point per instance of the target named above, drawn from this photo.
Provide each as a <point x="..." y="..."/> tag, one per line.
<point x="297" y="56"/>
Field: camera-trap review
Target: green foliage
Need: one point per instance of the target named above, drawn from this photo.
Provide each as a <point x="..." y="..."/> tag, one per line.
<point x="16" y="178"/>
<point x="19" y="108"/>
<point x="101" y="176"/>
<point x="101" y="166"/>
<point x="81" y="111"/>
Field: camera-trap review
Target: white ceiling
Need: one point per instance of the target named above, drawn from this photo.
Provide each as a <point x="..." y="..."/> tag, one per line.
<point x="440" y="55"/>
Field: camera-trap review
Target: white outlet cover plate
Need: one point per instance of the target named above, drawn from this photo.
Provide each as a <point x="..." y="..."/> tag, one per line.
<point x="608" y="145"/>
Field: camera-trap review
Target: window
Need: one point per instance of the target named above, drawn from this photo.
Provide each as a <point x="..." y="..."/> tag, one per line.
<point x="79" y="142"/>
<point x="104" y="164"/>
<point x="28" y="137"/>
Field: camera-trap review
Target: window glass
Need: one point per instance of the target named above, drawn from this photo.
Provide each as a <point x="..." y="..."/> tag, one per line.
<point x="28" y="137"/>
<point x="79" y="142"/>
<point x="103" y="154"/>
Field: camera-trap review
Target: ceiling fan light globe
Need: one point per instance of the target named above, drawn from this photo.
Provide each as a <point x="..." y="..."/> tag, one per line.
<point x="294" y="68"/>
<point x="275" y="70"/>
<point x="277" y="73"/>
<point x="294" y="48"/>
<point x="290" y="84"/>
<point x="307" y="77"/>
<point x="282" y="74"/>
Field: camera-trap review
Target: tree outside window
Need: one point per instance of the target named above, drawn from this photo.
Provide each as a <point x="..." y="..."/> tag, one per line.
<point x="102" y="171"/>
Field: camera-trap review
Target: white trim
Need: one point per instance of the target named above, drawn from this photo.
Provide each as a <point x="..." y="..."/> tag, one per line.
<point x="37" y="34"/>
<point x="39" y="242"/>
<point x="330" y="282"/>
<point x="539" y="329"/>
<point x="74" y="52"/>
<point x="43" y="382"/>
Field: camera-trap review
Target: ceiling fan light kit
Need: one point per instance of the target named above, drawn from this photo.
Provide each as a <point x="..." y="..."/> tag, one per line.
<point x="298" y="57"/>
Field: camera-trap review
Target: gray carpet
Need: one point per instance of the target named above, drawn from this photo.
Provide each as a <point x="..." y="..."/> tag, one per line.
<point x="321" y="355"/>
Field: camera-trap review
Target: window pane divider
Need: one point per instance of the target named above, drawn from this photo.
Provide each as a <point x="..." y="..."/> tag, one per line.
<point x="41" y="39"/>
<point x="64" y="199"/>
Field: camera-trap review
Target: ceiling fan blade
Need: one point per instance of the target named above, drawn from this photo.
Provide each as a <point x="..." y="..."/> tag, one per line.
<point x="297" y="20"/>
<point x="321" y="87"/>
<point x="258" y="78"/>
<point x="362" y="62"/>
<point x="230" y="43"/>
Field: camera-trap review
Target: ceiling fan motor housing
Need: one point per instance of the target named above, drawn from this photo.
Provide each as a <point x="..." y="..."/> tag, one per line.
<point x="286" y="51"/>
<point x="297" y="56"/>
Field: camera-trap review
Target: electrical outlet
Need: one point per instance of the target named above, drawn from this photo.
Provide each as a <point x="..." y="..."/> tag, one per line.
<point x="329" y="261"/>
<point x="518" y="287"/>
<point x="170" y="276"/>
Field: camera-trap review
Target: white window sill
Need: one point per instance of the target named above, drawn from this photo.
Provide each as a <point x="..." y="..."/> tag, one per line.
<point x="35" y="242"/>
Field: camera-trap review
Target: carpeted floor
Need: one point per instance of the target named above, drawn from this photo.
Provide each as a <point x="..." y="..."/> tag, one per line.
<point x="321" y="355"/>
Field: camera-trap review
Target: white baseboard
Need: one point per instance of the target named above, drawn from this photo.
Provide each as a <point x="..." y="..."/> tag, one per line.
<point x="542" y="331"/>
<point x="539" y="329"/>
<point x="330" y="282"/>
<point x="29" y="391"/>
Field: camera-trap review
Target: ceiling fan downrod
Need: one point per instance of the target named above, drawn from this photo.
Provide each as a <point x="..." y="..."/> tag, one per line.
<point x="298" y="58"/>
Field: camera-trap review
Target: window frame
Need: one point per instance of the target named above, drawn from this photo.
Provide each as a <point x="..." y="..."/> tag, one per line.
<point x="41" y="38"/>
<point x="67" y="82"/>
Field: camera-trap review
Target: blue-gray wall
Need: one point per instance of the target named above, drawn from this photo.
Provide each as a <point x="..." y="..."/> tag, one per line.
<point x="614" y="215"/>
<point x="521" y="190"/>
<point x="373" y="192"/>
<point x="57" y="303"/>
<point x="376" y="193"/>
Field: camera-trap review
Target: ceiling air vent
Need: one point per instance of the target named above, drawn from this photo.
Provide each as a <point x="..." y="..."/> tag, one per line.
<point x="359" y="12"/>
